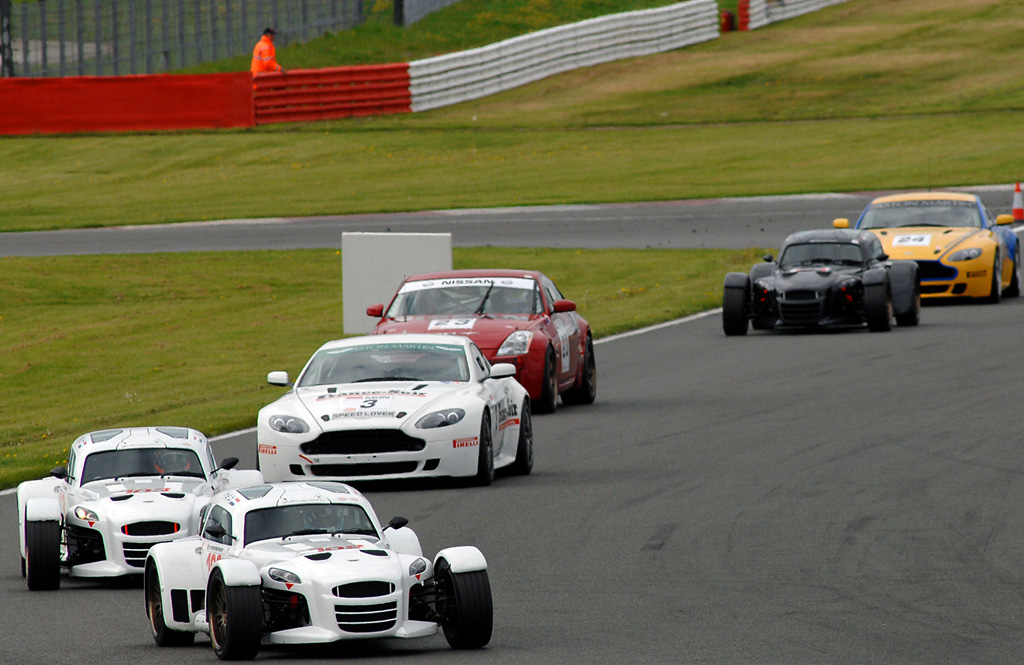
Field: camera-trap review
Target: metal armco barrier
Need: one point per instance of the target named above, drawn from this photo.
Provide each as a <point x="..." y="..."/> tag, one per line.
<point x="303" y="95"/>
<point x="763" y="12"/>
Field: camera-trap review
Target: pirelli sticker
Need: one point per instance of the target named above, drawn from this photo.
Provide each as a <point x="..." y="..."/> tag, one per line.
<point x="466" y="443"/>
<point x="264" y="449"/>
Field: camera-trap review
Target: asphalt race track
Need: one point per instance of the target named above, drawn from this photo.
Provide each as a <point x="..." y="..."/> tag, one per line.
<point x="842" y="498"/>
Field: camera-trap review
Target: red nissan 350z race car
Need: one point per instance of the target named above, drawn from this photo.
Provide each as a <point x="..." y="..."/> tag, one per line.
<point x="514" y="316"/>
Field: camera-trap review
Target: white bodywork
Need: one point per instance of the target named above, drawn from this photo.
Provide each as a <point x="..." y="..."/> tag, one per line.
<point x="109" y="521"/>
<point x="331" y="411"/>
<point x="312" y="604"/>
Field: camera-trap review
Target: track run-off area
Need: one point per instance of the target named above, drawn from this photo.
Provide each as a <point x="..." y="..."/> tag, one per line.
<point x="800" y="498"/>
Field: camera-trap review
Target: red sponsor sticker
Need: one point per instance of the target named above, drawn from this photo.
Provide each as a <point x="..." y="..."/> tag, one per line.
<point x="508" y="423"/>
<point x="465" y="443"/>
<point x="264" y="449"/>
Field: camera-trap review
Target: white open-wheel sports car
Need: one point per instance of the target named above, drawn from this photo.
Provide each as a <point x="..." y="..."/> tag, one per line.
<point x="122" y="491"/>
<point x="396" y="406"/>
<point x="308" y="563"/>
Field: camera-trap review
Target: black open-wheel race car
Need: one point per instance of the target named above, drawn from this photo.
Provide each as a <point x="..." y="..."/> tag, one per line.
<point x="831" y="277"/>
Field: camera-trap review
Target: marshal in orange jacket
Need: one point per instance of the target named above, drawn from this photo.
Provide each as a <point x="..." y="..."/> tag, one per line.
<point x="263" y="55"/>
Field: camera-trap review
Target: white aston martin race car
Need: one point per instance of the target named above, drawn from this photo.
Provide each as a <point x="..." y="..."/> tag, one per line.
<point x="123" y="491"/>
<point x="306" y="563"/>
<point x="396" y="406"/>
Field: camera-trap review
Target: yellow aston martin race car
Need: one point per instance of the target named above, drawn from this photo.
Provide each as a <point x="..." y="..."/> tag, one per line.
<point x="960" y="250"/>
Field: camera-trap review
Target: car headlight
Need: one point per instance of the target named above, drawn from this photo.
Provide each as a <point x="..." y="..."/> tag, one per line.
<point x="965" y="254"/>
<point x="417" y="567"/>
<point x="86" y="515"/>
<point x="283" y="576"/>
<point x="289" y="424"/>
<point x="516" y="344"/>
<point x="441" y="418"/>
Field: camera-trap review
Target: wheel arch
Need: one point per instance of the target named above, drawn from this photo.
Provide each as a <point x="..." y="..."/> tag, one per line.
<point x="462" y="559"/>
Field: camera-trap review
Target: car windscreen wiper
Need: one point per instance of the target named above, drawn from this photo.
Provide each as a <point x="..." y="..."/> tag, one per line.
<point x="304" y="532"/>
<point x="386" y="378"/>
<point x="480" y="307"/>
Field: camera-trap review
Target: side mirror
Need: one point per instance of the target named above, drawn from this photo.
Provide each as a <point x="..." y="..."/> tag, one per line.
<point x="228" y="463"/>
<point x="841" y="223"/>
<point x="1004" y="219"/>
<point x="397" y="523"/>
<point x="59" y="472"/>
<point x="883" y="257"/>
<point x="502" y="370"/>
<point x="215" y="531"/>
<point x="563" y="306"/>
<point x="278" y="378"/>
<point x="768" y="258"/>
<point x="375" y="310"/>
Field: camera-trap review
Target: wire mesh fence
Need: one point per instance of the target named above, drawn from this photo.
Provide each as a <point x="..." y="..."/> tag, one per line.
<point x="408" y="12"/>
<point x="114" y="37"/>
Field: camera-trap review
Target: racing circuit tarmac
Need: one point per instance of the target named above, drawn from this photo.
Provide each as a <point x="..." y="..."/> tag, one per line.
<point x="843" y="497"/>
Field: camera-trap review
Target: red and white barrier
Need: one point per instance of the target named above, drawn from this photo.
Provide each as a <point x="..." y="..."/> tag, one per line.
<point x="304" y="95"/>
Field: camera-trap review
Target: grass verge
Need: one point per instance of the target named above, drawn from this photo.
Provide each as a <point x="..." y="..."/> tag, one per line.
<point x="187" y="339"/>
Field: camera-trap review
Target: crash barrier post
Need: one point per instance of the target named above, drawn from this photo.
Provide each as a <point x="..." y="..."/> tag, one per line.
<point x="458" y="77"/>
<point x="114" y="37"/>
<point x="125" y="103"/>
<point x="408" y="12"/>
<point x="728" y="21"/>
<point x="303" y="95"/>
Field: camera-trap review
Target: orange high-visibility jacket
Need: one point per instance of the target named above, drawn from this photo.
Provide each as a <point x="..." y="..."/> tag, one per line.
<point x="263" y="59"/>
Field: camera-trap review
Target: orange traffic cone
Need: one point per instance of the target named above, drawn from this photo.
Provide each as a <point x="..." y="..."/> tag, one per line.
<point x="1018" y="205"/>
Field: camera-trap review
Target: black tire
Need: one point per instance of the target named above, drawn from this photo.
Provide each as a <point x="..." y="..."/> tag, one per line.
<point x="464" y="606"/>
<point x="42" y="555"/>
<point x="485" y="462"/>
<point x="586" y="391"/>
<point x="23" y="566"/>
<point x="235" y="614"/>
<point x="878" y="307"/>
<point x="912" y="317"/>
<point x="162" y="635"/>
<point x="523" y="463"/>
<point x="1013" y="290"/>
<point x="548" y="401"/>
<point x="996" y="292"/>
<point x="735" y="307"/>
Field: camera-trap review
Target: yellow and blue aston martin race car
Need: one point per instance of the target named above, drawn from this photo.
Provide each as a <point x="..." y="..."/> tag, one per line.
<point x="960" y="250"/>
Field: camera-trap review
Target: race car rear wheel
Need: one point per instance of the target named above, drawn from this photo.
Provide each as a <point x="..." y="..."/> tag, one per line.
<point x="1013" y="290"/>
<point x="524" y="451"/>
<point x="42" y="555"/>
<point x="235" y="614"/>
<point x="878" y="307"/>
<point x="548" y="401"/>
<point x="162" y="635"/>
<point x="996" y="292"/>
<point x="586" y="391"/>
<point x="464" y="606"/>
<point x="485" y="462"/>
<point x="735" y="305"/>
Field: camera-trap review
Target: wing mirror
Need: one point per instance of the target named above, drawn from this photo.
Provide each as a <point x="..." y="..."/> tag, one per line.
<point x="59" y="472"/>
<point x="841" y="223"/>
<point x="278" y="378"/>
<point x="375" y="310"/>
<point x="396" y="523"/>
<point x="502" y="370"/>
<point x="563" y="305"/>
<point x="228" y="463"/>
<point x="768" y="258"/>
<point x="1004" y="219"/>
<point x="215" y="531"/>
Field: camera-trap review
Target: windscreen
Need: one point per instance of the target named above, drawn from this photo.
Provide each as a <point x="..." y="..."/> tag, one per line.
<point x="307" y="518"/>
<point x="894" y="214"/>
<point x="820" y="253"/>
<point x="386" y="362"/>
<point x="461" y="297"/>
<point x="142" y="462"/>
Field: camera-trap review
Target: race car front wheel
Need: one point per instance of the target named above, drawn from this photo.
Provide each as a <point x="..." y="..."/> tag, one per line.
<point x="235" y="614"/>
<point x="548" y="401"/>
<point x="42" y="555"/>
<point x="162" y="635"/>
<point x="996" y="292"/>
<point x="485" y="462"/>
<point x="464" y="606"/>
<point x="523" y="463"/>
<point x="878" y="307"/>
<point x="735" y="305"/>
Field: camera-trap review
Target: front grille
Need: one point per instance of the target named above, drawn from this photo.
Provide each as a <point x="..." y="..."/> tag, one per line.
<point x="366" y="618"/>
<point x="135" y="553"/>
<point x="800" y="313"/>
<point x="283" y="610"/>
<point x="374" y="469"/>
<point x="84" y="545"/>
<point x="364" y="589"/>
<point x="935" y="270"/>
<point x="150" y="528"/>
<point x="928" y="289"/>
<point x="799" y="295"/>
<point x="362" y="442"/>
